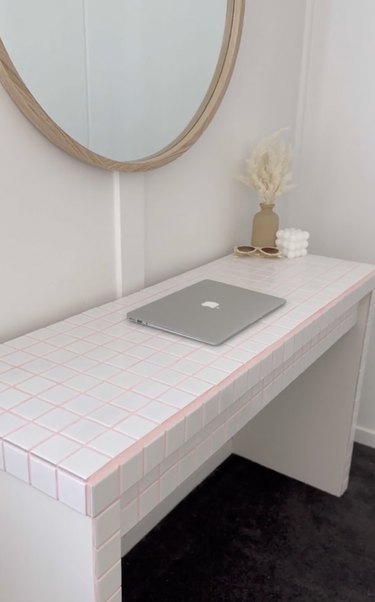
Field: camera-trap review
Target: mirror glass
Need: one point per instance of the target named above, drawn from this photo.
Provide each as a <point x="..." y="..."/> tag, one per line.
<point x="123" y="78"/>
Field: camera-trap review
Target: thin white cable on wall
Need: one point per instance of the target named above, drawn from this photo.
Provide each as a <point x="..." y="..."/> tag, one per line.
<point x="304" y="78"/>
<point x="117" y="233"/>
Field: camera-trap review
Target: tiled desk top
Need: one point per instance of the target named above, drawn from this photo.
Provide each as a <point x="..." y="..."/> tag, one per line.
<point x="83" y="394"/>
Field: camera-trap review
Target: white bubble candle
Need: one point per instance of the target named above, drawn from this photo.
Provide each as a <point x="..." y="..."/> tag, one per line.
<point x="292" y="242"/>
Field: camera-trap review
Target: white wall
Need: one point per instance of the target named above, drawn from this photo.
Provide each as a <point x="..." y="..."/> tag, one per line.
<point x="335" y="194"/>
<point x="73" y="236"/>
<point x="56" y="229"/>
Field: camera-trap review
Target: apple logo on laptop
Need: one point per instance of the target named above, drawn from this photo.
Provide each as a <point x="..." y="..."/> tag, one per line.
<point x="210" y="304"/>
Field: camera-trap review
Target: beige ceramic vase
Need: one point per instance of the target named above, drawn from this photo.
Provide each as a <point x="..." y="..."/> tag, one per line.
<point x="265" y="226"/>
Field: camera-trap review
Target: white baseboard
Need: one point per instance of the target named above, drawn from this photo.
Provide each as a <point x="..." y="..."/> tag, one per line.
<point x="365" y="436"/>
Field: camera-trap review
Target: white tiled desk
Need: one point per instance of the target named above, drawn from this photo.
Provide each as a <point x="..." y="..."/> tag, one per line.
<point x="106" y="425"/>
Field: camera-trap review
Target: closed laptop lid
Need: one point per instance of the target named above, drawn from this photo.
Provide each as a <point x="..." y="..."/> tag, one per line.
<point x="208" y="311"/>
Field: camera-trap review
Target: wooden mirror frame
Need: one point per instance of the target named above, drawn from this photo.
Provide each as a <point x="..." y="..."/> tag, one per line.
<point x="26" y="102"/>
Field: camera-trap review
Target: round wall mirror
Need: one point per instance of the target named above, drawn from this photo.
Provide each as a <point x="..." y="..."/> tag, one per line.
<point x="122" y="84"/>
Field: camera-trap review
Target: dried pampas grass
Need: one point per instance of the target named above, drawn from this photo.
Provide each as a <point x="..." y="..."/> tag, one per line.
<point x="268" y="168"/>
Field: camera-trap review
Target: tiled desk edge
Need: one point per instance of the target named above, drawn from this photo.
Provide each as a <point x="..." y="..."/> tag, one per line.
<point x="139" y="460"/>
<point x="146" y="492"/>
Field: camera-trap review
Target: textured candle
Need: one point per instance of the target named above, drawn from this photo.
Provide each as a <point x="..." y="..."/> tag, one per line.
<point x="292" y="242"/>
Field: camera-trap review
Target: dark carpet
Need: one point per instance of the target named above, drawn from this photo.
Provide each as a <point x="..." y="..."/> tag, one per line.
<point x="248" y="534"/>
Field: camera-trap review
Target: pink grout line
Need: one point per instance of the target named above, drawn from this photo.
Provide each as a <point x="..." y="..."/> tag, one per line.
<point x="236" y="374"/>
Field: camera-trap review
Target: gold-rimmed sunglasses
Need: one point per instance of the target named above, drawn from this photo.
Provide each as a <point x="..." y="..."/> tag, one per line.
<point x="249" y="250"/>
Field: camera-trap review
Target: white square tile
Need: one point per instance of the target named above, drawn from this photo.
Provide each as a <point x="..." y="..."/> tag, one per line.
<point x="212" y="375"/>
<point x="108" y="555"/>
<point x="136" y="337"/>
<point x="118" y="346"/>
<point x="135" y="426"/>
<point x="32" y="408"/>
<point x="1" y="457"/>
<point x="102" y="371"/>
<point x="144" y="369"/>
<point x="35" y="385"/>
<point x="240" y="385"/>
<point x="41" y="349"/>
<point x="57" y="419"/>
<point x="15" y="461"/>
<point x="187" y="366"/>
<point x="149" y="499"/>
<point x="43" y="476"/>
<point x="4" y="367"/>
<point x="129" y="495"/>
<point x="157" y="411"/>
<point x="179" y="399"/>
<point x="100" y="354"/>
<point x="109" y="415"/>
<point x="187" y="465"/>
<point x="194" y="422"/>
<point x="80" y="332"/>
<point x="156" y="342"/>
<point x="106" y="391"/>
<point x="107" y="524"/>
<point x="151" y="388"/>
<point x="169" y="481"/>
<point x="82" y="382"/>
<point x="125" y="380"/>
<point x="131" y="401"/>
<point x="61" y="340"/>
<point x="211" y="409"/>
<point x="105" y="493"/>
<point x="80" y="363"/>
<point x="39" y="365"/>
<point x="162" y="359"/>
<point x="85" y="462"/>
<point x="148" y="479"/>
<point x="17" y="358"/>
<point x="109" y="586"/>
<point x="179" y="349"/>
<point x="129" y="517"/>
<point x="61" y="356"/>
<point x="83" y="404"/>
<point x="131" y="472"/>
<point x="154" y="453"/>
<point x="99" y="338"/>
<point x="59" y="374"/>
<point x="72" y="491"/>
<point x="175" y="437"/>
<point x="203" y="451"/>
<point x="202" y="356"/>
<point x="112" y="443"/>
<point x="141" y="352"/>
<point x="225" y="364"/>
<point x="58" y="394"/>
<point x="5" y="349"/>
<point x="84" y="430"/>
<point x="195" y="386"/>
<point x="226" y="397"/>
<point x="9" y="398"/>
<point x="9" y="423"/>
<point x="29" y="435"/>
<point x="122" y="361"/>
<point x="169" y="377"/>
<point x="80" y="347"/>
<point x="14" y="376"/>
<point x="56" y="449"/>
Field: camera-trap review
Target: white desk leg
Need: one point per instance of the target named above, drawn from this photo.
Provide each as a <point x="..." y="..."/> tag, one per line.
<point x="46" y="552"/>
<point x="307" y="431"/>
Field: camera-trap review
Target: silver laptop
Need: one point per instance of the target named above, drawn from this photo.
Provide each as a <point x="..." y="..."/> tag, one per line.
<point x="208" y="311"/>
